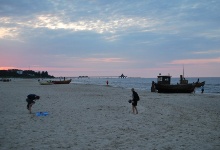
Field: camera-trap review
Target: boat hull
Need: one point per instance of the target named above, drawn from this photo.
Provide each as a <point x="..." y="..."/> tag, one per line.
<point x="178" y="88"/>
<point x="46" y="83"/>
<point x="62" y="82"/>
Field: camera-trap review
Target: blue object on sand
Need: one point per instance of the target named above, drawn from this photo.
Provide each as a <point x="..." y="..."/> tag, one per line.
<point x="42" y="113"/>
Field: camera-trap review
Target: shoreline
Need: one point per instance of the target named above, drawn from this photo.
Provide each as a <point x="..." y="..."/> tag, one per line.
<point x="211" y="85"/>
<point x="99" y="117"/>
<point x="198" y="92"/>
<point x="142" y="88"/>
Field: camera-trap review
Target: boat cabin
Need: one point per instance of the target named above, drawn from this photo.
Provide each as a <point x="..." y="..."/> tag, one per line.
<point x="183" y="80"/>
<point x="163" y="79"/>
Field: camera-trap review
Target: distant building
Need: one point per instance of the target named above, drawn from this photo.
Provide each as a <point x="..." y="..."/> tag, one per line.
<point x="19" y="72"/>
<point x="122" y="76"/>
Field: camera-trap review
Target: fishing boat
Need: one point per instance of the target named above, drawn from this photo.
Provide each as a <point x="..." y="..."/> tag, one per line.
<point x="62" y="82"/>
<point x="163" y="85"/>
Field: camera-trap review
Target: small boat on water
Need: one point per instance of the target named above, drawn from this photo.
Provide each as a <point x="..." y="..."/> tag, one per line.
<point x="62" y="82"/>
<point x="199" y="84"/>
<point x="163" y="85"/>
<point x="46" y="83"/>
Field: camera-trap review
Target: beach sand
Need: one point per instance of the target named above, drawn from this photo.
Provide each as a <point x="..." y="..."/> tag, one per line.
<point x="90" y="117"/>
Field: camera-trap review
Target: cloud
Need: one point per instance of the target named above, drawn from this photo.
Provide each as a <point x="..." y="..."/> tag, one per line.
<point x="109" y="19"/>
<point x="109" y="25"/>
<point x="53" y="22"/>
<point x="195" y="61"/>
<point x="8" y="33"/>
<point x="68" y="16"/>
<point x="210" y="34"/>
<point x="23" y="7"/>
<point x="105" y="60"/>
<point x="207" y="52"/>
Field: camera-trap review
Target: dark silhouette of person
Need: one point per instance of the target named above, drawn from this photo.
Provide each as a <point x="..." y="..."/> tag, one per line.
<point x="31" y="101"/>
<point x="135" y="99"/>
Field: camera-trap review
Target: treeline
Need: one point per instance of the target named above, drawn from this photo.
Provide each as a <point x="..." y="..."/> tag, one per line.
<point x="15" y="73"/>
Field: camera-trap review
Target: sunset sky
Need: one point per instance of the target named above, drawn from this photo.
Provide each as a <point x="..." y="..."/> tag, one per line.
<point x="139" y="38"/>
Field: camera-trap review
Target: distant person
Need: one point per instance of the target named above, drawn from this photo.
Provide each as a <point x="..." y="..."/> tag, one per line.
<point x="198" y="80"/>
<point x="202" y="90"/>
<point x="135" y="99"/>
<point x="31" y="101"/>
<point x="153" y="88"/>
<point x="107" y="82"/>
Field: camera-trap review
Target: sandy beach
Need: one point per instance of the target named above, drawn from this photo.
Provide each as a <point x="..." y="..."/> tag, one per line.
<point x="90" y="117"/>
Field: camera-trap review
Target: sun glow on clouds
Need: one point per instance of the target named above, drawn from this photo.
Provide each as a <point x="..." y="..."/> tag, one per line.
<point x="64" y="60"/>
<point x="8" y="33"/>
<point x="110" y="25"/>
<point x="100" y="26"/>
<point x="6" y="68"/>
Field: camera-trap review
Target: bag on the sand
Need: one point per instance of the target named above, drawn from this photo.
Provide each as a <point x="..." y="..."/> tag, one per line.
<point x="42" y="113"/>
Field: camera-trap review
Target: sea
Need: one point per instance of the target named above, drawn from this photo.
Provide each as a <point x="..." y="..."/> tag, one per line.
<point x="212" y="84"/>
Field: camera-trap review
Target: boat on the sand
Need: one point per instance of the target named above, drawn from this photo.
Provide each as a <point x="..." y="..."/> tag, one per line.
<point x="163" y="86"/>
<point x="62" y="82"/>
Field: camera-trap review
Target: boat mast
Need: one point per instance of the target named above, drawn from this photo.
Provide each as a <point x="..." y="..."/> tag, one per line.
<point x="183" y="71"/>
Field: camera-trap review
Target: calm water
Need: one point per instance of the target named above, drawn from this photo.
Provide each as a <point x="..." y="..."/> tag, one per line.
<point x="212" y="84"/>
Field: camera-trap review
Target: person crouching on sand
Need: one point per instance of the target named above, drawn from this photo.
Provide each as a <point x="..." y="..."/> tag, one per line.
<point x="135" y="99"/>
<point x="31" y="100"/>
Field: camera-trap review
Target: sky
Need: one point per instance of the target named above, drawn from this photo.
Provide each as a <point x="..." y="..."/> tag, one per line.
<point x="139" y="38"/>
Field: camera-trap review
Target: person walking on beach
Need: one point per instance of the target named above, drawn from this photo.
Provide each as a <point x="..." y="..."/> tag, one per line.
<point x="107" y="82"/>
<point x="31" y="100"/>
<point x="202" y="90"/>
<point x="135" y="99"/>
